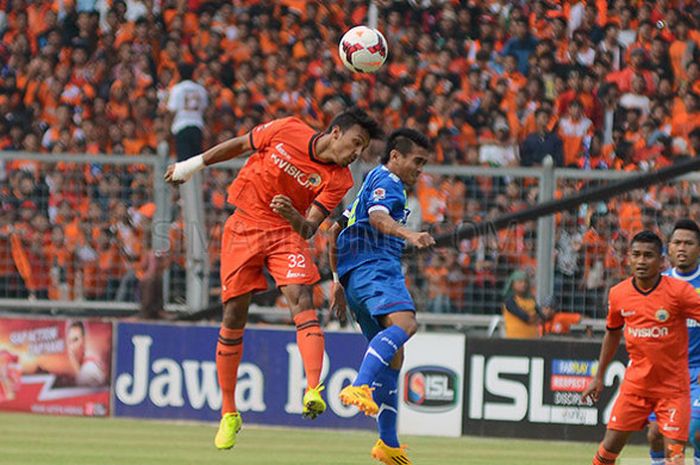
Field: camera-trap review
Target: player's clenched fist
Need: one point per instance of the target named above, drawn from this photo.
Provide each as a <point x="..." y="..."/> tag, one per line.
<point x="421" y="240"/>
<point x="169" y="175"/>
<point x="593" y="390"/>
<point x="338" y="303"/>
<point x="182" y="171"/>
<point x="282" y="205"/>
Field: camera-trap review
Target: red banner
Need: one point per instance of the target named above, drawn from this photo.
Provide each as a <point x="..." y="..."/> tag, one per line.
<point x="55" y="366"/>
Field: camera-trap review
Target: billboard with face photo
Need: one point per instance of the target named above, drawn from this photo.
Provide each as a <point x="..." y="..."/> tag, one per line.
<point x="55" y="366"/>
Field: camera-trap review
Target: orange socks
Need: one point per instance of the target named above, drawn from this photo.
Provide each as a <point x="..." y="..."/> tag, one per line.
<point x="603" y="457"/>
<point x="310" y="342"/>
<point x="229" y="351"/>
<point x="676" y="454"/>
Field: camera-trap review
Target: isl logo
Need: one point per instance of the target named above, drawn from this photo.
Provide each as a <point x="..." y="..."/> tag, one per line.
<point x="431" y="388"/>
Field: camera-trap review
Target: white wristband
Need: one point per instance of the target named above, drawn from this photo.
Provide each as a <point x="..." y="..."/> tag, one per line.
<point x="336" y="279"/>
<point x="185" y="169"/>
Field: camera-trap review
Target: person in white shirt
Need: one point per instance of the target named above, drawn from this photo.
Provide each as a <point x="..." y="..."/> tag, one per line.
<point x="636" y="98"/>
<point x="188" y="101"/>
<point x="499" y="152"/>
<point x="627" y="34"/>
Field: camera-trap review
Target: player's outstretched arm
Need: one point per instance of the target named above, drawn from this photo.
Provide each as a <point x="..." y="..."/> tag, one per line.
<point x="611" y="341"/>
<point x="305" y="226"/>
<point x="385" y="224"/>
<point x="182" y="171"/>
<point x="337" y="301"/>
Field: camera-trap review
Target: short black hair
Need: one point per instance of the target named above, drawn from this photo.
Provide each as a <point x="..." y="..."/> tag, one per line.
<point x="355" y="116"/>
<point x="687" y="224"/>
<point x="610" y="25"/>
<point x="541" y="110"/>
<point x="186" y="71"/>
<point x="648" y="237"/>
<point x="403" y="140"/>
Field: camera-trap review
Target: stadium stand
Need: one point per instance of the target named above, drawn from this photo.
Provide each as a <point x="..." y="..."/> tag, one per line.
<point x="598" y="85"/>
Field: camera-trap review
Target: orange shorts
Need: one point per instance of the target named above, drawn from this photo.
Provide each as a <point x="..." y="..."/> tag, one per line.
<point x="246" y="249"/>
<point x="630" y="413"/>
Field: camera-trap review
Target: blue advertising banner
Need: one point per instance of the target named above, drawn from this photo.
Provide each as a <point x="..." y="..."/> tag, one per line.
<point x="168" y="371"/>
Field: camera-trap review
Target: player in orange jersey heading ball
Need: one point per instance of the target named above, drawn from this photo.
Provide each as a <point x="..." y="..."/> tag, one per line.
<point x="652" y="310"/>
<point x="295" y="178"/>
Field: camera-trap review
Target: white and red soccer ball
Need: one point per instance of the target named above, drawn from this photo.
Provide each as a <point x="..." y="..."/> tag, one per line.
<point x="363" y="49"/>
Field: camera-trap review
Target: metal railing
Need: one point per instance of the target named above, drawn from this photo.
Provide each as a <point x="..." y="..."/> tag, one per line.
<point x="483" y="266"/>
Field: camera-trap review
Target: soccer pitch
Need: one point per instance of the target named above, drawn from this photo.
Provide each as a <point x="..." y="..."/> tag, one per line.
<point x="46" y="440"/>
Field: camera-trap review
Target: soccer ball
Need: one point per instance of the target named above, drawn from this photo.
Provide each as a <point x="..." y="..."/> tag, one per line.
<point x="363" y="49"/>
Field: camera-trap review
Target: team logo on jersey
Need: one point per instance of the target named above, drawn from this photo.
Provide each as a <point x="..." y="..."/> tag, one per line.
<point x="310" y="181"/>
<point x="654" y="332"/>
<point x="314" y="180"/>
<point x="378" y="194"/>
<point x="662" y="315"/>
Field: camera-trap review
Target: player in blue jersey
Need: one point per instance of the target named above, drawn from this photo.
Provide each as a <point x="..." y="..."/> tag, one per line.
<point x="365" y="256"/>
<point x="684" y="253"/>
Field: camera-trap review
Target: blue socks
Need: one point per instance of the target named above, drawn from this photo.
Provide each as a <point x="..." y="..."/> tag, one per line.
<point x="386" y="395"/>
<point x="381" y="350"/>
<point x="657" y="457"/>
<point x="376" y="373"/>
<point x="692" y="441"/>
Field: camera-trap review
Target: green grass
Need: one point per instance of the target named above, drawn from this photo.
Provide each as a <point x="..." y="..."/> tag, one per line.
<point x="46" y="440"/>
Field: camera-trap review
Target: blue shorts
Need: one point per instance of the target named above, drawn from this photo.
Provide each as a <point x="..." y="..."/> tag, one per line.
<point x="376" y="289"/>
<point x="694" y="395"/>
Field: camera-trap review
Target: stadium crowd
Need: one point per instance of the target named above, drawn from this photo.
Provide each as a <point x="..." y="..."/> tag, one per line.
<point x="597" y="84"/>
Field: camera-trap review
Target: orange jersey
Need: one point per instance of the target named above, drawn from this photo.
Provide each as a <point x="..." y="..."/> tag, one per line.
<point x="285" y="163"/>
<point x="656" y="334"/>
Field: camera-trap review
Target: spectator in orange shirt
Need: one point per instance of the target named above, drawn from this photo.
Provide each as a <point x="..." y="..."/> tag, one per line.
<point x="623" y="78"/>
<point x="438" y="287"/>
<point x="680" y="51"/>
<point x="573" y="92"/>
<point x="686" y="115"/>
<point x="572" y="129"/>
<point x="61" y="260"/>
<point x="633" y="125"/>
<point x="616" y="259"/>
<point x="63" y="123"/>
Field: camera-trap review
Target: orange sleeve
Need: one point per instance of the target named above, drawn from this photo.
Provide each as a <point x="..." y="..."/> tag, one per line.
<point x="262" y="135"/>
<point x="331" y="196"/>
<point x="614" y="319"/>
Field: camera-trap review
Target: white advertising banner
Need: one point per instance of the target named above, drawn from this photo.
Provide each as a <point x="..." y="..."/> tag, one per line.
<point x="431" y="385"/>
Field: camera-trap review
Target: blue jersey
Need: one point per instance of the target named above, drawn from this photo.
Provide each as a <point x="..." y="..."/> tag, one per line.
<point x="359" y="242"/>
<point x="693" y="278"/>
